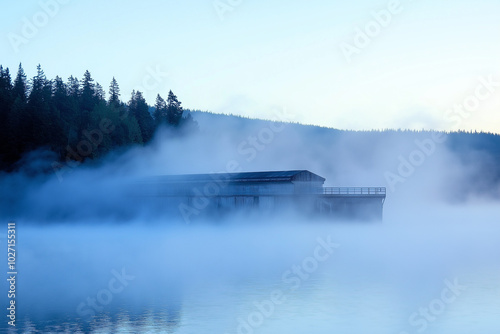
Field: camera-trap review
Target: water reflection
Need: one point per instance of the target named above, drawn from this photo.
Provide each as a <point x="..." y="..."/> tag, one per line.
<point x="153" y="320"/>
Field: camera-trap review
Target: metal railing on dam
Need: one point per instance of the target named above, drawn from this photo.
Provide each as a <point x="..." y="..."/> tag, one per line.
<point x="354" y="191"/>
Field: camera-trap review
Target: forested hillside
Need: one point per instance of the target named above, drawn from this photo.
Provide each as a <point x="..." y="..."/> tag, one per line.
<point x="74" y="119"/>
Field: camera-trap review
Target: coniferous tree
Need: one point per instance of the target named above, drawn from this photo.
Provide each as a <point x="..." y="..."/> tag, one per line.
<point x="160" y="113"/>
<point x="100" y="95"/>
<point x="18" y="119"/>
<point x="75" y="113"/>
<point x="139" y="108"/>
<point x="87" y="92"/>
<point x="73" y="87"/>
<point x="5" y="97"/>
<point x="59" y="88"/>
<point x="5" y="86"/>
<point x="20" y="89"/>
<point x="41" y="124"/>
<point x="127" y="129"/>
<point x="6" y="102"/>
<point x="88" y="101"/>
<point x="174" y="109"/>
<point x="114" y="93"/>
<point x="62" y="104"/>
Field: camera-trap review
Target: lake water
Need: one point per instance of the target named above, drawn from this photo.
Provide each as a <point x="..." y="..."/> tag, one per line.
<point x="429" y="272"/>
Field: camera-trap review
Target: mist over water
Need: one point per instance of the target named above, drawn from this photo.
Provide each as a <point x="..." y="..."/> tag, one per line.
<point x="90" y="235"/>
<point x="210" y="276"/>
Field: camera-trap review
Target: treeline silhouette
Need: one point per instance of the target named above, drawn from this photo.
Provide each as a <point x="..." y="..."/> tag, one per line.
<point x="75" y="120"/>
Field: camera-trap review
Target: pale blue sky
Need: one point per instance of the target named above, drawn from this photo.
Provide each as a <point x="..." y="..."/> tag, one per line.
<point x="268" y="55"/>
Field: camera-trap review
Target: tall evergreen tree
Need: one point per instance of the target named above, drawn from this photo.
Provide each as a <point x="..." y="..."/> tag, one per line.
<point x="60" y="86"/>
<point x="160" y="113"/>
<point x="100" y="95"/>
<point x="88" y="92"/>
<point x="18" y="119"/>
<point x="20" y="89"/>
<point x="140" y="109"/>
<point x="75" y="111"/>
<point x="88" y="101"/>
<point x="64" y="108"/>
<point x="6" y="99"/>
<point x="114" y="93"/>
<point x="73" y="87"/>
<point x="40" y="124"/>
<point x="6" y="102"/>
<point x="5" y="81"/>
<point x="39" y="85"/>
<point x="174" y="109"/>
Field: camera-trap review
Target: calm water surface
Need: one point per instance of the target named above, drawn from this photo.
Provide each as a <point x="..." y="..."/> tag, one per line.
<point x="411" y="277"/>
